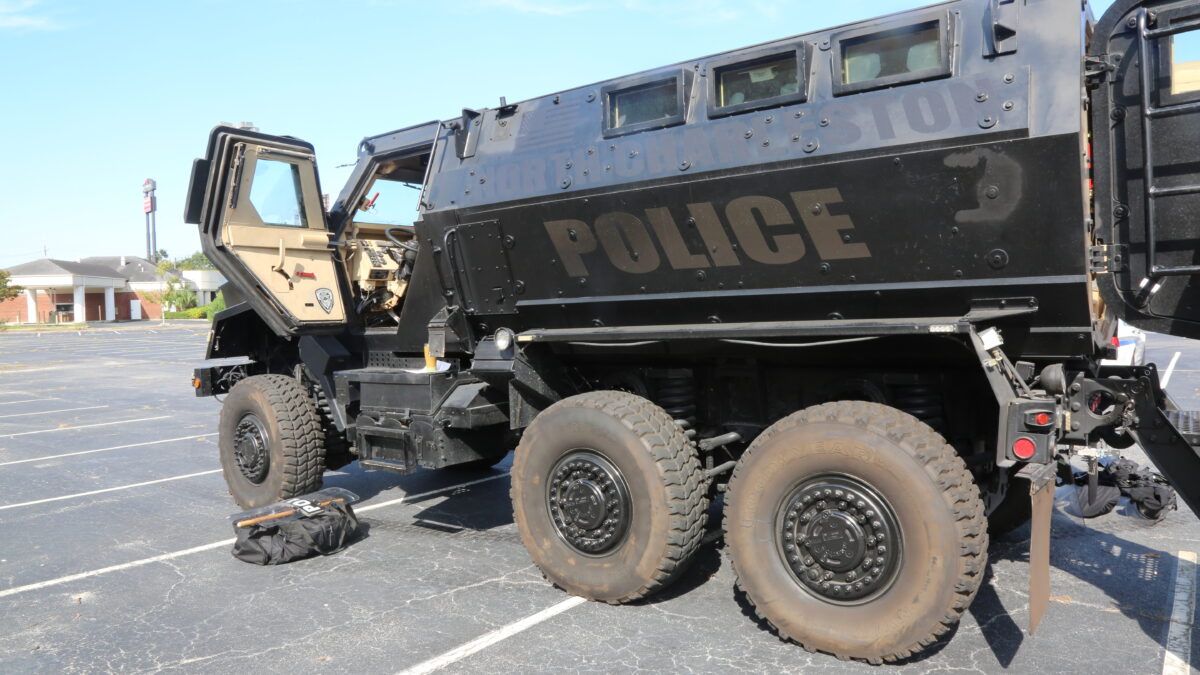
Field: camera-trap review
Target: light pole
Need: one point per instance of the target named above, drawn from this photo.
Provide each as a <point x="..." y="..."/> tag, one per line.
<point x="149" y="206"/>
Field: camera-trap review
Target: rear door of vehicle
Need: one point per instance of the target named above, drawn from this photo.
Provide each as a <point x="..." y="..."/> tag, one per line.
<point x="257" y="200"/>
<point x="1144" y="58"/>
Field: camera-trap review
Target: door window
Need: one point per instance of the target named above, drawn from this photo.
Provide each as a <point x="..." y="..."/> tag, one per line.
<point x="1185" y="62"/>
<point x="276" y="195"/>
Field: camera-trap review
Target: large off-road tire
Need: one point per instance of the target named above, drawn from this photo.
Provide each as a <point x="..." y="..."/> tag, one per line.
<point x="609" y="496"/>
<point x="271" y="441"/>
<point x="337" y="448"/>
<point x="854" y="529"/>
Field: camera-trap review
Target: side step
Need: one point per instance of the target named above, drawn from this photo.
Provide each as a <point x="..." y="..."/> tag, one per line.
<point x="1186" y="423"/>
<point x="1171" y="439"/>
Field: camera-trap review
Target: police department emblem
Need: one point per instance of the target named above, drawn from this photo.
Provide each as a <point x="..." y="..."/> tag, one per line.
<point x="325" y="299"/>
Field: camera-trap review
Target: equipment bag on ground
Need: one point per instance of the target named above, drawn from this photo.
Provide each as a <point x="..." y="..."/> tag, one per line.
<point x="320" y="523"/>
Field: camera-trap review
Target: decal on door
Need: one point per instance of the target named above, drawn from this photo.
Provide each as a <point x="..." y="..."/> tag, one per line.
<point x="325" y="299"/>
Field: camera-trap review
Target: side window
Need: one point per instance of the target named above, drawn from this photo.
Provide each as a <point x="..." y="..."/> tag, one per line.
<point x="647" y="103"/>
<point x="1185" y="63"/>
<point x="755" y="82"/>
<point x="276" y="195"/>
<point x="873" y="59"/>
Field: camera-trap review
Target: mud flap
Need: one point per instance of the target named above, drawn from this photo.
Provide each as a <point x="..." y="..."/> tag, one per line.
<point x="1041" y="495"/>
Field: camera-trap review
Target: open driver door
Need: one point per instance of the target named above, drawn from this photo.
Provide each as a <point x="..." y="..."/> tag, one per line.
<point x="257" y="201"/>
<point x="1144" y="75"/>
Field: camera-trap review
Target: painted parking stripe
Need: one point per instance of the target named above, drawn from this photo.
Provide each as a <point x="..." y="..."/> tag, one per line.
<point x="84" y="426"/>
<point x="111" y="489"/>
<point x="216" y="544"/>
<point x="1179" y="631"/>
<point x="29" y="400"/>
<point x="48" y="412"/>
<point x="1169" y="371"/>
<point x="115" y="447"/>
<point x="487" y="640"/>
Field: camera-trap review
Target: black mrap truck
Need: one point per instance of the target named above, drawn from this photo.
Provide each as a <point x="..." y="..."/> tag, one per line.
<point x="859" y="283"/>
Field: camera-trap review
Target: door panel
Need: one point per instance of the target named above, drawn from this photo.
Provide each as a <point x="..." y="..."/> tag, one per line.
<point x="1146" y="136"/>
<point x="263" y="225"/>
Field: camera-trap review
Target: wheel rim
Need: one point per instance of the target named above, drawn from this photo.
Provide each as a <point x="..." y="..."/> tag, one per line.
<point x="589" y="502"/>
<point x="251" y="449"/>
<point x="840" y="539"/>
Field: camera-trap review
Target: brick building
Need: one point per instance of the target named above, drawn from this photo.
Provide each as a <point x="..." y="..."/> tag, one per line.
<point x="102" y="288"/>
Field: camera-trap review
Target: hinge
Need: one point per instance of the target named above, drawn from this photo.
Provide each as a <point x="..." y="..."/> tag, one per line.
<point x="1096" y="67"/>
<point x="1106" y="258"/>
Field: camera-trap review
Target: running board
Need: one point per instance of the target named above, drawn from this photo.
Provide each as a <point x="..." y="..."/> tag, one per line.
<point x="1170" y="438"/>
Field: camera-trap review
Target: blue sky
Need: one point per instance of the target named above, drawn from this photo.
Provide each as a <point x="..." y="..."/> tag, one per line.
<point x="97" y="96"/>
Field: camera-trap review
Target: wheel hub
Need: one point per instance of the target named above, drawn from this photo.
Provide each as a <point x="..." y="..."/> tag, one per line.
<point x="589" y="502"/>
<point x="251" y="449"/>
<point x="840" y="538"/>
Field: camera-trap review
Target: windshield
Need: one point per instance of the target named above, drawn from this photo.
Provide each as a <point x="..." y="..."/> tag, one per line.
<point x="389" y="202"/>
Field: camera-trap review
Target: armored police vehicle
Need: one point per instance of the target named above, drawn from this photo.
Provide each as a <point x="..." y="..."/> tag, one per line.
<point x="860" y="281"/>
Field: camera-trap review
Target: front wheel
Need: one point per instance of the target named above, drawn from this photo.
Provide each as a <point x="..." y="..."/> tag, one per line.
<point x="854" y="529"/>
<point x="271" y="441"/>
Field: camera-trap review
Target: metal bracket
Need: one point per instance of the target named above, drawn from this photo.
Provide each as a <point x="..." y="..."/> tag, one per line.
<point x="1106" y="258"/>
<point x="466" y="137"/>
<point x="1005" y="17"/>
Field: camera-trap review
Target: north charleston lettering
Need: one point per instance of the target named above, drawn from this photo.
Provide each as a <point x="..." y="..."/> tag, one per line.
<point x="762" y="227"/>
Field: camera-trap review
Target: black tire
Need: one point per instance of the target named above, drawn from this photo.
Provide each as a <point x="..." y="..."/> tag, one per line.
<point x="337" y="448"/>
<point x="273" y="421"/>
<point x="924" y="497"/>
<point x="1013" y="511"/>
<point x="662" y="523"/>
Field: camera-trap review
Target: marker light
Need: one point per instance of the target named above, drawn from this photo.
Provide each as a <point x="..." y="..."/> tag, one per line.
<point x="1042" y="419"/>
<point x="504" y="339"/>
<point x="1024" y="448"/>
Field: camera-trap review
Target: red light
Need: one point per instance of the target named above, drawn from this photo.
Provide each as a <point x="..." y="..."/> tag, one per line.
<point x="1116" y="341"/>
<point x="1024" y="448"/>
<point x="1042" y="419"/>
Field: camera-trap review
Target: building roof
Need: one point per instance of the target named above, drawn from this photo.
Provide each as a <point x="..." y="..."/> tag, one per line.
<point x="51" y="267"/>
<point x="135" y="269"/>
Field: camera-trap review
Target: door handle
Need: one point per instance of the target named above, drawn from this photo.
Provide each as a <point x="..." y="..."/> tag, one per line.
<point x="278" y="267"/>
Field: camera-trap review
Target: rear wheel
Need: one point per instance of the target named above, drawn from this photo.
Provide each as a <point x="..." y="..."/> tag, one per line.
<point x="608" y="495"/>
<point x="854" y="529"/>
<point x="271" y="441"/>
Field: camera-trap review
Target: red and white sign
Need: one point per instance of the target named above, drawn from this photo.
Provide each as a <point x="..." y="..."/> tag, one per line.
<point x="149" y="204"/>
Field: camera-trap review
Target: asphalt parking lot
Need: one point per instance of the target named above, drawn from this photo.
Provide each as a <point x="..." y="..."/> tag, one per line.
<point x="115" y="540"/>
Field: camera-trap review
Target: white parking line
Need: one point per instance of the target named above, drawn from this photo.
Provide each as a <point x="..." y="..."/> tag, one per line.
<point x="115" y="447"/>
<point x="29" y="400"/>
<point x="85" y="426"/>
<point x="111" y="489"/>
<point x="488" y="639"/>
<point x="1179" y="631"/>
<point x="1169" y="371"/>
<point x="216" y="544"/>
<point x="47" y="412"/>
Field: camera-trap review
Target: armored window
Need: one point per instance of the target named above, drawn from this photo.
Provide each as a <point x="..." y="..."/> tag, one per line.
<point x="388" y="202"/>
<point x="1185" y="63"/>
<point x="645" y="103"/>
<point x="873" y="59"/>
<point x="756" y="81"/>
<point x="275" y="193"/>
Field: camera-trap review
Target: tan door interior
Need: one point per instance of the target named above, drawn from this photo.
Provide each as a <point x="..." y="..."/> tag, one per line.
<point x="274" y="223"/>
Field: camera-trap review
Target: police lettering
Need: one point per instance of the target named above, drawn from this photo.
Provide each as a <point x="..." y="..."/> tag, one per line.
<point x="762" y="227"/>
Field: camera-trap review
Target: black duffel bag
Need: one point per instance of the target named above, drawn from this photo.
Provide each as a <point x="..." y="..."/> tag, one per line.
<point x="304" y="532"/>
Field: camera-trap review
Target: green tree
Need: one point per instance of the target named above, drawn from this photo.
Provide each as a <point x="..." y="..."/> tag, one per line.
<point x="195" y="261"/>
<point x="7" y="290"/>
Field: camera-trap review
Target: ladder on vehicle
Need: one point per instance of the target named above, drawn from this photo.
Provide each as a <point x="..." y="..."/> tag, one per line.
<point x="1150" y="112"/>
